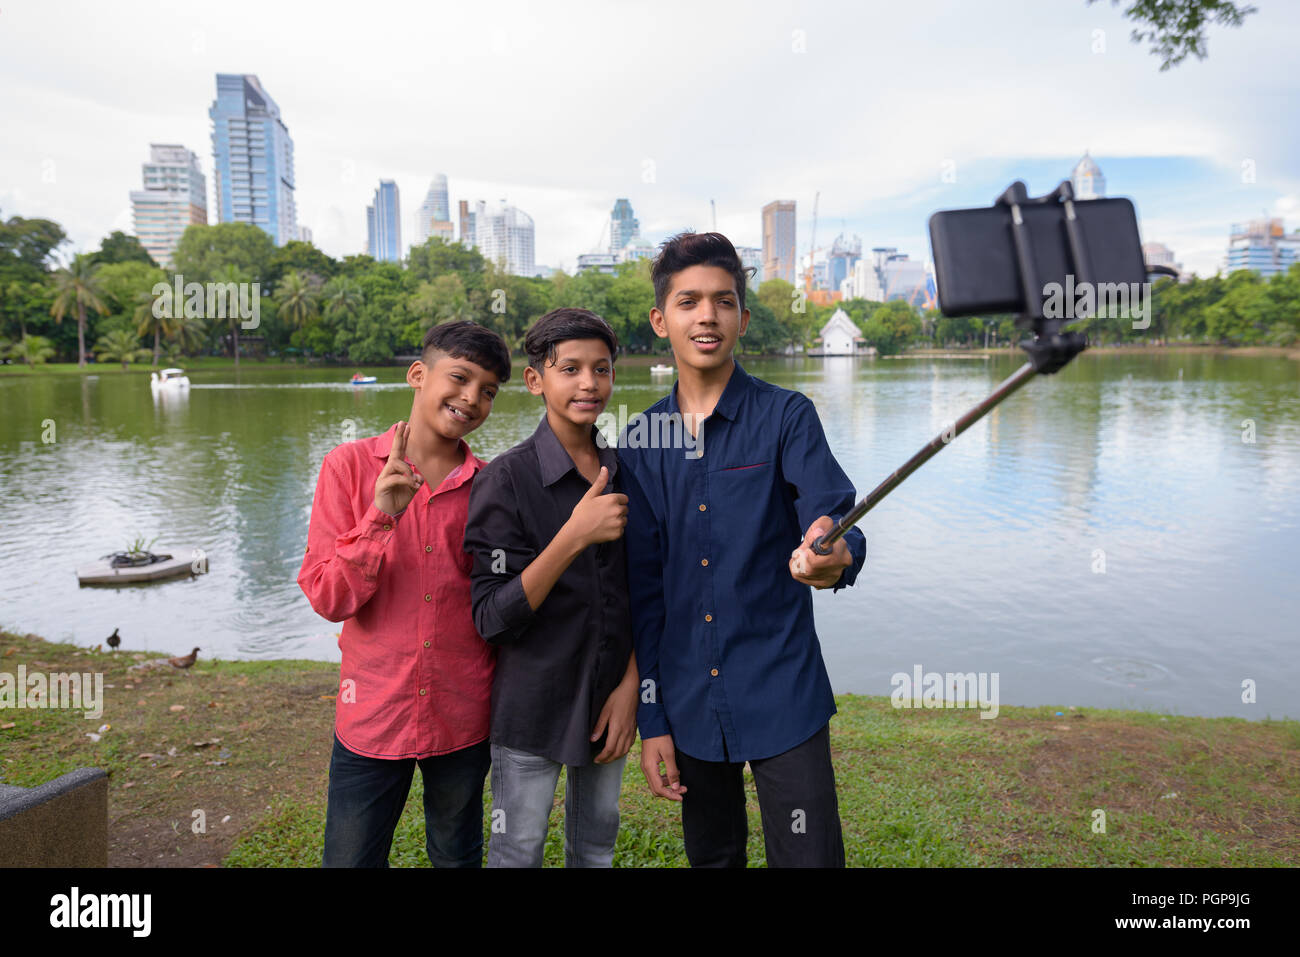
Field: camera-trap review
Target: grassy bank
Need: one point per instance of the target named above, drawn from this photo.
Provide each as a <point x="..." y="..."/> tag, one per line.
<point x="248" y="744"/>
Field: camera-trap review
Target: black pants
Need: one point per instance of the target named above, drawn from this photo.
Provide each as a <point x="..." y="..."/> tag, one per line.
<point x="367" y="795"/>
<point x="796" y="795"/>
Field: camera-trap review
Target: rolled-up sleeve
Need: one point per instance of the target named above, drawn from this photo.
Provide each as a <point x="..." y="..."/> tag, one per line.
<point x="499" y="547"/>
<point x="340" y="569"/>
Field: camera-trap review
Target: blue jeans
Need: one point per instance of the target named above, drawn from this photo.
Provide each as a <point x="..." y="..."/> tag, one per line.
<point x="367" y="795"/>
<point x="523" y="791"/>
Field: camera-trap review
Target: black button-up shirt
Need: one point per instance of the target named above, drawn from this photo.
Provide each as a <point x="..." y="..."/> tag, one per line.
<point x="725" y="642"/>
<point x="557" y="665"/>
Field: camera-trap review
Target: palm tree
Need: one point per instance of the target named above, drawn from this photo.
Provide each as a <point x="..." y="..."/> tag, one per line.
<point x="148" y="322"/>
<point x="342" y="298"/>
<point x="186" y="336"/>
<point x="77" y="287"/>
<point x="297" y="300"/>
<point x="227" y="275"/>
<point x="34" y="350"/>
<point x="120" y="345"/>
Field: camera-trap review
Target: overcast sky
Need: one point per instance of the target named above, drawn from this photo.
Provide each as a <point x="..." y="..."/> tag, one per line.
<point x="561" y="107"/>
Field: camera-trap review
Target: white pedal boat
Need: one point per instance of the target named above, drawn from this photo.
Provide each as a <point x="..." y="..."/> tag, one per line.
<point x="169" y="379"/>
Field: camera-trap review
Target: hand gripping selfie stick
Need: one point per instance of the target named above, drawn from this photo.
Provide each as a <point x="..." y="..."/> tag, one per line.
<point x="1049" y="351"/>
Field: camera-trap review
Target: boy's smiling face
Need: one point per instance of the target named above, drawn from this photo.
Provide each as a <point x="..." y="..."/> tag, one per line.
<point x="701" y="317"/>
<point x="578" y="384"/>
<point x="454" y="394"/>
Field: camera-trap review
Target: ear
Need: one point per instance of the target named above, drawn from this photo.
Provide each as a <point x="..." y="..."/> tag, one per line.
<point x="744" y="321"/>
<point x="415" y="374"/>
<point x="658" y="323"/>
<point x="533" y="380"/>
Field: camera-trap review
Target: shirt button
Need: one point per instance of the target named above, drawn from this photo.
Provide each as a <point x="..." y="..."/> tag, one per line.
<point x="421" y="691"/>
<point x="426" y="644"/>
<point x="703" y="507"/>
<point x="428" y="598"/>
<point x="708" y="618"/>
<point x="704" y="561"/>
<point x="428" y="548"/>
<point x="714" y="672"/>
<point x="387" y="528"/>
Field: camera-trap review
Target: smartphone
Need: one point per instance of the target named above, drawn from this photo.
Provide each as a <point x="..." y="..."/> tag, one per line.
<point x="975" y="265"/>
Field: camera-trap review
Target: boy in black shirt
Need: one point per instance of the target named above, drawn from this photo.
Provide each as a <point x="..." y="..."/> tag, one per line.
<point x="549" y="589"/>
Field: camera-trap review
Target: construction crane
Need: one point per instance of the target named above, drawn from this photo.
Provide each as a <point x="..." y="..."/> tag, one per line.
<point x="812" y="249"/>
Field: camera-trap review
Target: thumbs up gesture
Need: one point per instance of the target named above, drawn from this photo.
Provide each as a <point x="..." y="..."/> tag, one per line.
<point x="398" y="482"/>
<point x="598" y="517"/>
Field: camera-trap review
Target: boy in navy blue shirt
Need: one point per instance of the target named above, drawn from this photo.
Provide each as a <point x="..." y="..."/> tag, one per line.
<point x="731" y="669"/>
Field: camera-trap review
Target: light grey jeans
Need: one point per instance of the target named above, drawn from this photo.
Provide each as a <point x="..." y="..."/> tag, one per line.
<point x="523" y="792"/>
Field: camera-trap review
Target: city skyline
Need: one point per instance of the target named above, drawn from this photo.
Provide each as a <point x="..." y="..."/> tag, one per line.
<point x="1182" y="144"/>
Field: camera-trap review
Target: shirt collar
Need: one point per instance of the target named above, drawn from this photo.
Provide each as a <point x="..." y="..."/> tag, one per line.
<point x="383" y="447"/>
<point x="554" y="458"/>
<point x="729" y="402"/>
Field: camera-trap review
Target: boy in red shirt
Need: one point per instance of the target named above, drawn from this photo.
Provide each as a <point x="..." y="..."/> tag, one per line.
<point x="385" y="557"/>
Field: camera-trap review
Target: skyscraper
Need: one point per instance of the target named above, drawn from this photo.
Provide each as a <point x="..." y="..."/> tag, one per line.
<point x="434" y="215"/>
<point x="175" y="196"/>
<point x="253" y="158"/>
<point x="466" y="224"/>
<point x="1087" y="180"/>
<point x="779" y="240"/>
<point x="384" y="224"/>
<point x="623" y="226"/>
<point x="504" y="234"/>
<point x="1262" y="245"/>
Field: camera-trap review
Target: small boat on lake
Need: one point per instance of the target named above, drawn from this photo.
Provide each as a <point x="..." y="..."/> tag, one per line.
<point x="659" y="369"/>
<point x="359" y="379"/>
<point x="124" y="568"/>
<point x="170" y="379"/>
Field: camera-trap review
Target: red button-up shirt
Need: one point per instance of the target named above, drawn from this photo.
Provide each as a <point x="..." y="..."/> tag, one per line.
<point x="416" y="679"/>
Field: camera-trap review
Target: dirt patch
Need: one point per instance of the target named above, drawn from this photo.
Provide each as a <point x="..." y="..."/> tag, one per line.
<point x="195" y="757"/>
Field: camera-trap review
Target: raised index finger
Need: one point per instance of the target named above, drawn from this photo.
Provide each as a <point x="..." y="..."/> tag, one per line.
<point x="398" y="451"/>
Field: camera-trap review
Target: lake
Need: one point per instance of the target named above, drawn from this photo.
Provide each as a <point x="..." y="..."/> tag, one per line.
<point x="1122" y="534"/>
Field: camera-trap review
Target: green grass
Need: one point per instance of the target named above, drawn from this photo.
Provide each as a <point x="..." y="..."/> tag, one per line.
<point x="916" y="788"/>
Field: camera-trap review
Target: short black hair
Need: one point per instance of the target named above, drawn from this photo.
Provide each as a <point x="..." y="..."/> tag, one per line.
<point x="562" y="325"/>
<point x="697" y="249"/>
<point x="469" y="340"/>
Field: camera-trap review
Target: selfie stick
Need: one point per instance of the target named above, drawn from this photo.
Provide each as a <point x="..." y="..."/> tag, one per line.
<point x="1049" y="351"/>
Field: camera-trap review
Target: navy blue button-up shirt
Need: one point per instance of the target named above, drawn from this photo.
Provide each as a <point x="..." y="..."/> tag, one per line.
<point x="729" y="658"/>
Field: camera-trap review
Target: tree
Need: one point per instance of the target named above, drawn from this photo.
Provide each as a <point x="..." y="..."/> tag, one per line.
<point x="789" y="308"/>
<point x="205" y="251"/>
<point x="442" y="300"/>
<point x="120" y="345"/>
<point x="34" y="350"/>
<point x="302" y="257"/>
<point x="119" y="247"/>
<point x="1177" y="27"/>
<point x="892" y="326"/>
<point x="26" y="246"/>
<point x="1237" y="318"/>
<point x="297" y="300"/>
<point x="78" y="288"/>
<point x="149" y="322"/>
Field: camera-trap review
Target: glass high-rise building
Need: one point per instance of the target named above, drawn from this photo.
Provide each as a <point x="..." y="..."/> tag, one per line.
<point x="384" y="224"/>
<point x="1262" y="245"/>
<point x="434" y="215"/>
<point x="779" y="240"/>
<point x="252" y="158"/>
<point x="175" y="196"/>
<point x="623" y="226"/>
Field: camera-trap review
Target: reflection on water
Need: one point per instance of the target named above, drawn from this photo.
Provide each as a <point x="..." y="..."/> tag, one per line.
<point x="1105" y="537"/>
